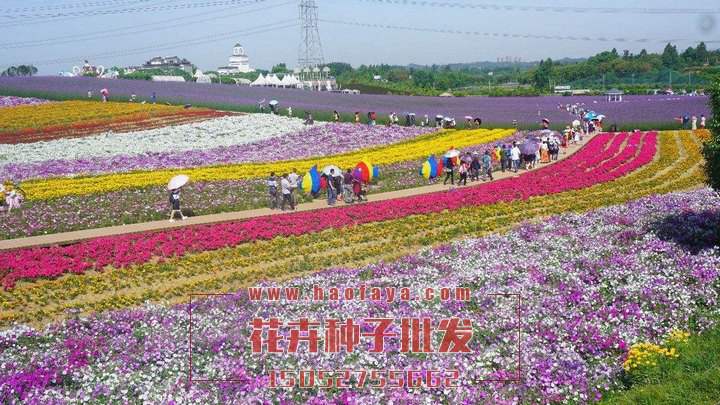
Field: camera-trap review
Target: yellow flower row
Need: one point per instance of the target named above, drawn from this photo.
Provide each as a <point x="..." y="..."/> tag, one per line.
<point x="675" y="168"/>
<point x="72" y="112"/>
<point x="387" y="154"/>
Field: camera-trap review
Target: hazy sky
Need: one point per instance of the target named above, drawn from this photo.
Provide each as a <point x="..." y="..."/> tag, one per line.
<point x="205" y="34"/>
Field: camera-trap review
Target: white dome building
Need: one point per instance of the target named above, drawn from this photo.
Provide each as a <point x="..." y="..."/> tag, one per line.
<point x="239" y="62"/>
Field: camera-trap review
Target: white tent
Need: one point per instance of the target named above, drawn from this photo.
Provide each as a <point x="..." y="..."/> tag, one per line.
<point x="287" y="81"/>
<point x="260" y="81"/>
<point x="273" y="80"/>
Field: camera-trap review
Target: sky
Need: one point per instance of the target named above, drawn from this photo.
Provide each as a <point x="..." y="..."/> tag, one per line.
<point x="204" y="31"/>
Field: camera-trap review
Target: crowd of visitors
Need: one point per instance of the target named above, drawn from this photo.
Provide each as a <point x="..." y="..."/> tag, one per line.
<point x="282" y="190"/>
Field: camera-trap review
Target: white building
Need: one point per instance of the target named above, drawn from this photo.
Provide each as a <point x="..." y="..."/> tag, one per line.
<point x="239" y="62"/>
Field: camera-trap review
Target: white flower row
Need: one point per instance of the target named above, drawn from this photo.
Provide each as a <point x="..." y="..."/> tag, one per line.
<point x="225" y="131"/>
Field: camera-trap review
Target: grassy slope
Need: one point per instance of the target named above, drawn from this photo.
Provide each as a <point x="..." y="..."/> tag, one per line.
<point x="693" y="378"/>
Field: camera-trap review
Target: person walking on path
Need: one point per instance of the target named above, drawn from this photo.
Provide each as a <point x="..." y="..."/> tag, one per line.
<point x="331" y="190"/>
<point x="702" y="121"/>
<point x="348" y="187"/>
<point x="515" y="156"/>
<point x="693" y="122"/>
<point x="475" y="167"/>
<point x="487" y="165"/>
<point x="175" y="205"/>
<point x="449" y="171"/>
<point x="357" y="117"/>
<point x="544" y="153"/>
<point x="294" y="180"/>
<point x="286" y="189"/>
<point x="272" y="184"/>
<point x="463" y="171"/>
<point x="357" y="189"/>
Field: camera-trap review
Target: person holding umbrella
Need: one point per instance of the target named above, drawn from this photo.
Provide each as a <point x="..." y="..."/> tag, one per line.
<point x="449" y="166"/>
<point x="174" y="186"/>
<point x="273" y="106"/>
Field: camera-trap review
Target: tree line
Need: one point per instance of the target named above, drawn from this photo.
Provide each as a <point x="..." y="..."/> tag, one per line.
<point x="22" y="70"/>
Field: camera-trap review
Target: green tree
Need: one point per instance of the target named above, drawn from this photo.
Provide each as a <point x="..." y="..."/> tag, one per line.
<point x="543" y="74"/>
<point x="670" y="57"/>
<point x="338" y="68"/>
<point x="279" y="68"/>
<point x="689" y="55"/>
<point x="711" y="149"/>
<point x="701" y="53"/>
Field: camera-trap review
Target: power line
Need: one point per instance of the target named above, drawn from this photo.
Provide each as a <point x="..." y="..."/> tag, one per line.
<point x="55" y="20"/>
<point x="278" y="25"/>
<point x="504" y="34"/>
<point x="146" y="9"/>
<point x="542" y="8"/>
<point x="85" y="4"/>
<point x="157" y="26"/>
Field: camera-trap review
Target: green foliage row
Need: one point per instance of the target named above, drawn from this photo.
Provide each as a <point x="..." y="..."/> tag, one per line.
<point x="711" y="149"/>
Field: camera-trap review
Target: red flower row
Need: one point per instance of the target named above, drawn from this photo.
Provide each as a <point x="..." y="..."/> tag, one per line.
<point x="606" y="157"/>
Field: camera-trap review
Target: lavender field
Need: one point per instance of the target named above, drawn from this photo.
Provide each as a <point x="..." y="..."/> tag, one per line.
<point x="496" y="110"/>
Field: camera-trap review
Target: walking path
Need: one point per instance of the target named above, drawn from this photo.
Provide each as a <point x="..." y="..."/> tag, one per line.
<point x="76" y="236"/>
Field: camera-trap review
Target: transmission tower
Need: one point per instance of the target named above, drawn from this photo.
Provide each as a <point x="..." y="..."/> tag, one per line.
<point x="311" y="53"/>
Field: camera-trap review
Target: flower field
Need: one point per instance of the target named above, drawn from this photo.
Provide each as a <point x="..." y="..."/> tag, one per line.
<point x="415" y="148"/>
<point x="497" y="110"/>
<point x="219" y="257"/>
<point x="236" y="139"/>
<point x="580" y="273"/>
<point x="591" y="285"/>
<point x="34" y="123"/>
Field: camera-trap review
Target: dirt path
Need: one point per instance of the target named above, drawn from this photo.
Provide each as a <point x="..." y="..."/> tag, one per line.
<point x="76" y="236"/>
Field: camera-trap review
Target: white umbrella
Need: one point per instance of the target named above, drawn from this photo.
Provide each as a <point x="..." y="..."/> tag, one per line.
<point x="600" y="117"/>
<point x="452" y="153"/>
<point x="273" y="102"/>
<point x="327" y="169"/>
<point x="178" y="181"/>
<point x="576" y="123"/>
<point x="439" y="116"/>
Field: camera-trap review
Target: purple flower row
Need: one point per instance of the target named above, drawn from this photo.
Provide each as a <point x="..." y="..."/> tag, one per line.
<point x="316" y="140"/>
<point x="526" y="110"/>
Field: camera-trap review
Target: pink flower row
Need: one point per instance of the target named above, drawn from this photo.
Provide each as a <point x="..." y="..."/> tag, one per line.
<point x="606" y="157"/>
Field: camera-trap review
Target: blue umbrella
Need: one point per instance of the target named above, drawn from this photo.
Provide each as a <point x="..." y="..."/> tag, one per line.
<point x="529" y="148"/>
